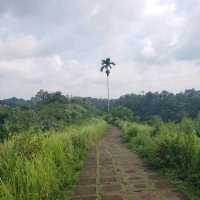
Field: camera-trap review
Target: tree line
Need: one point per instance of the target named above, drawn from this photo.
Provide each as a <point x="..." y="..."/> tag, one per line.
<point x="165" y="105"/>
<point x="45" y="111"/>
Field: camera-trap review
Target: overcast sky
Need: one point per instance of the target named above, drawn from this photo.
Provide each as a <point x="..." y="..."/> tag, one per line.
<point x="58" y="45"/>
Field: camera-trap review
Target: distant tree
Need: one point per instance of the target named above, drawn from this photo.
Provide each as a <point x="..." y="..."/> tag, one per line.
<point x="42" y="95"/>
<point x="107" y="66"/>
<point x="122" y="113"/>
<point x="57" y="97"/>
<point x="4" y="115"/>
<point x="15" y="102"/>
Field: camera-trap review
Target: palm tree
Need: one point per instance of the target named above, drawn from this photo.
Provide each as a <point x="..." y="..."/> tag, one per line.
<point x="107" y="65"/>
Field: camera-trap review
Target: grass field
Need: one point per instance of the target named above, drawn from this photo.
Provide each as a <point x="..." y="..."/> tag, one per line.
<point x="45" y="166"/>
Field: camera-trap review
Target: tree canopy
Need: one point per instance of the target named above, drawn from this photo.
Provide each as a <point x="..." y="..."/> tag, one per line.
<point x="166" y="105"/>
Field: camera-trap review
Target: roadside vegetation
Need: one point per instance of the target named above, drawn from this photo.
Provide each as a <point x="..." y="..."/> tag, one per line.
<point x="45" y="166"/>
<point x="43" y="144"/>
<point x="172" y="148"/>
<point x="44" y="140"/>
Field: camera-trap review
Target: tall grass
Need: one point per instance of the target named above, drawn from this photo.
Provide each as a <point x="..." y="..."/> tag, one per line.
<point x="169" y="147"/>
<point x="34" y="167"/>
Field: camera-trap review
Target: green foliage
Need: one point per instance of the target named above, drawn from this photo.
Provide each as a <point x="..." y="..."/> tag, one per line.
<point x="119" y="113"/>
<point x="168" y="146"/>
<point x="122" y="113"/>
<point x="166" y="105"/>
<point x="45" y="111"/>
<point x="4" y="113"/>
<point x="131" y="130"/>
<point x="45" y="166"/>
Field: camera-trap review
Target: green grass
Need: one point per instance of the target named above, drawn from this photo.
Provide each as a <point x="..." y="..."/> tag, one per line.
<point x="45" y="166"/>
<point x="174" y="151"/>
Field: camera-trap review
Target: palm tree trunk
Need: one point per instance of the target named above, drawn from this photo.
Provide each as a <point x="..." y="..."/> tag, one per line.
<point x="108" y="89"/>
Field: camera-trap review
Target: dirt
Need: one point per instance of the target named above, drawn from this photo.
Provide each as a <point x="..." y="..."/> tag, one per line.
<point x="113" y="172"/>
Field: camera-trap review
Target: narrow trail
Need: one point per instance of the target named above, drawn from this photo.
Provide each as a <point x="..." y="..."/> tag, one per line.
<point x="112" y="172"/>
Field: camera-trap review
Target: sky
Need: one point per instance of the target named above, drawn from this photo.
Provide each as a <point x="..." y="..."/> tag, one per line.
<point x="58" y="45"/>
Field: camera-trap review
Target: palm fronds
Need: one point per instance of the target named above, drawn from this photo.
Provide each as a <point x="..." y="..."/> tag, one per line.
<point x="107" y="65"/>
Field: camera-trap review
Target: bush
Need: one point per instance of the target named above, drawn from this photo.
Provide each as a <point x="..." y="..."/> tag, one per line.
<point x="131" y="130"/>
<point x="172" y="148"/>
<point x="119" y="113"/>
<point x="122" y="113"/>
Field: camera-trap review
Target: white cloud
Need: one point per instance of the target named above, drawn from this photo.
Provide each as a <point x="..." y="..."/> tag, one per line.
<point x="59" y="46"/>
<point x="148" y="51"/>
<point x="19" y="46"/>
<point x="157" y="7"/>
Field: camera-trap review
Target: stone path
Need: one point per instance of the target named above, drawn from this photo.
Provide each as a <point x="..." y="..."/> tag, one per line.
<point x="112" y="172"/>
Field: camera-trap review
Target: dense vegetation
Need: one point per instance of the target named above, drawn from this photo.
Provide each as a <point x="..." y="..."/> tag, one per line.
<point x="45" y="139"/>
<point x="172" y="148"/>
<point x="45" y="111"/>
<point x="45" y="166"/>
<point x="167" y="106"/>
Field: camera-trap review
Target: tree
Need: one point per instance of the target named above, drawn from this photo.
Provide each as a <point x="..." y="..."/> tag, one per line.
<point x="41" y="96"/>
<point x="122" y="113"/>
<point x="5" y="112"/>
<point x="107" y="65"/>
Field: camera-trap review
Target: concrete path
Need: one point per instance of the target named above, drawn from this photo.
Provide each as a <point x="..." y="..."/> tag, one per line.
<point x="112" y="172"/>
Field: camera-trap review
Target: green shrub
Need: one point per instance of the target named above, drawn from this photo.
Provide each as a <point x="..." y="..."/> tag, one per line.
<point x="172" y="148"/>
<point x="122" y="113"/>
<point x="131" y="130"/>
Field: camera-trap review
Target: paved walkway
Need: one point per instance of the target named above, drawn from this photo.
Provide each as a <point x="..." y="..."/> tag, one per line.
<point x="112" y="172"/>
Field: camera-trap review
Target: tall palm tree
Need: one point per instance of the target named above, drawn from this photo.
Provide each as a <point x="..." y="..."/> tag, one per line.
<point x="107" y="65"/>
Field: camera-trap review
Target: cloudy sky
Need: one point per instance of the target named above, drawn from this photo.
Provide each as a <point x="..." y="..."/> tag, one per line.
<point x="59" y="44"/>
